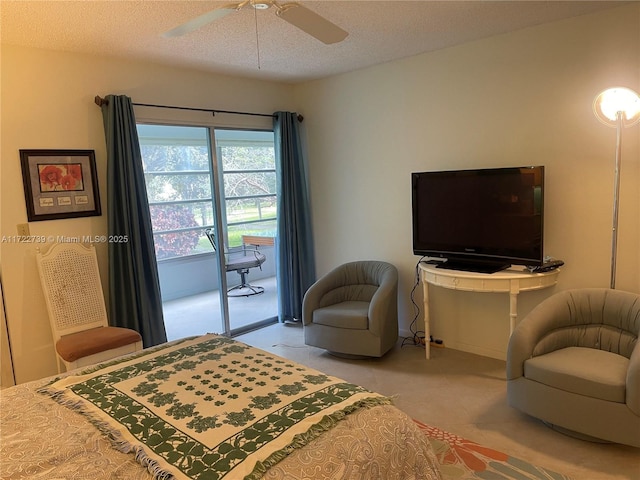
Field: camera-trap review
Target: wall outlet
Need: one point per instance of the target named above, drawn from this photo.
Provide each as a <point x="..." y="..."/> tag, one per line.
<point x="23" y="229"/>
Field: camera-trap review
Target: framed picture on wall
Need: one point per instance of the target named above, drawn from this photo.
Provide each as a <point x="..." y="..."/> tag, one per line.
<point x="60" y="184"/>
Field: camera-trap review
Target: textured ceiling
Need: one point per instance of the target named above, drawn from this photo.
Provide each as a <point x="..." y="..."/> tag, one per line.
<point x="379" y="31"/>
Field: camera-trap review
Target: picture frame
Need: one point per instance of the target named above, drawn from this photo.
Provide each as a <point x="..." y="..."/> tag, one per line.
<point x="60" y="184"/>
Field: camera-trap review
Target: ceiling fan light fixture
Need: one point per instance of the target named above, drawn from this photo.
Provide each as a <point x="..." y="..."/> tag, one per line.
<point x="260" y="5"/>
<point x="294" y="13"/>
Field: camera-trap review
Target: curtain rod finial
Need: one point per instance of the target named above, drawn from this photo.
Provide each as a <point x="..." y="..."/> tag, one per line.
<point x="100" y="101"/>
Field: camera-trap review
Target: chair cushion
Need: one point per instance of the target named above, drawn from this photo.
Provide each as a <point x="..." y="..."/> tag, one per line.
<point x="584" y="371"/>
<point x="350" y="314"/>
<point x="244" y="259"/>
<point x="96" y="340"/>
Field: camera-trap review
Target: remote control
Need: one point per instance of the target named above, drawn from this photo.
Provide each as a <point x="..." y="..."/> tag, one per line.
<point x="546" y="266"/>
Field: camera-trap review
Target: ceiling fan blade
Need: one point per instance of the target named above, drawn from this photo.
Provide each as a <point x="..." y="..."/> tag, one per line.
<point x="311" y="23"/>
<point x="202" y="20"/>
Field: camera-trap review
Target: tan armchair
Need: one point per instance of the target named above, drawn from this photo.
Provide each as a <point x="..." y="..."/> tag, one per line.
<point x="574" y="362"/>
<point x="353" y="310"/>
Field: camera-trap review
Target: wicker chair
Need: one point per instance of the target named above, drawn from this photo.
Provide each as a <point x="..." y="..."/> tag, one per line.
<point x="75" y="303"/>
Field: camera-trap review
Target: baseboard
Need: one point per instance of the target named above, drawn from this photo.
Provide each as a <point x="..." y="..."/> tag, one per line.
<point x="478" y="350"/>
<point x="464" y="347"/>
<point x="405" y="333"/>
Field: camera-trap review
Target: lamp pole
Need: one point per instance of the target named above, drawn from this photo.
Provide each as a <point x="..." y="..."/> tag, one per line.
<point x="617" y="107"/>
<point x="616" y="200"/>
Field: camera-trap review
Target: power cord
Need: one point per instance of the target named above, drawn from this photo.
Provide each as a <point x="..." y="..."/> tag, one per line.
<point x="418" y="337"/>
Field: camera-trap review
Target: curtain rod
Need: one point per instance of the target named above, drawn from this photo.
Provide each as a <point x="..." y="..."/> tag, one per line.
<point x="102" y="101"/>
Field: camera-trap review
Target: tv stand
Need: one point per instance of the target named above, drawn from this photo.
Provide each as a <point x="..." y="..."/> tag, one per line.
<point x="511" y="281"/>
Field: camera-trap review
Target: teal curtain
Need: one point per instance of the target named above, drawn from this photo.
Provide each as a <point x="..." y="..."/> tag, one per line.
<point x="134" y="286"/>
<point x="295" y="251"/>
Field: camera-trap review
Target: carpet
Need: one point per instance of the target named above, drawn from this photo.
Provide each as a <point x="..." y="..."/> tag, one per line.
<point x="462" y="459"/>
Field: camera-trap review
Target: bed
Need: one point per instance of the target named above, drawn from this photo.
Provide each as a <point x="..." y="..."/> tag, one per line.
<point x="203" y="408"/>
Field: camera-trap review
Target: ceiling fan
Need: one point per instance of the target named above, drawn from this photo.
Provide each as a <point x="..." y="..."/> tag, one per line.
<point x="294" y="13"/>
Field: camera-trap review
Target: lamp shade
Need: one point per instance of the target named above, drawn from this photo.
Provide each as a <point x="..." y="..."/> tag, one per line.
<point x="612" y="101"/>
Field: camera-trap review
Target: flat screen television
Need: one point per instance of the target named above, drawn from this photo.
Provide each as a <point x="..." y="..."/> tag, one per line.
<point x="481" y="220"/>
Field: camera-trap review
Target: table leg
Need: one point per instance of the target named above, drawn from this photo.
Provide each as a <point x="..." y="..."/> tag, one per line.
<point x="513" y="305"/>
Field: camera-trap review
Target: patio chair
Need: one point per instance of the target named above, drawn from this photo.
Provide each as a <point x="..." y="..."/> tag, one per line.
<point x="241" y="261"/>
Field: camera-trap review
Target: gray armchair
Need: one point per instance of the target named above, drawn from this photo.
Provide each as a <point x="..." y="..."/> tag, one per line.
<point x="574" y="362"/>
<point x="353" y="310"/>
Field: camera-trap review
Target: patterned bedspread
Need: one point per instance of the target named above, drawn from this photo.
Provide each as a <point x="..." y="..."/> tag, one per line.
<point x="204" y="409"/>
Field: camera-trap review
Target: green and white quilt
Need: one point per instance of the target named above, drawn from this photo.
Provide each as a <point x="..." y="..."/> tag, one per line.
<point x="210" y="407"/>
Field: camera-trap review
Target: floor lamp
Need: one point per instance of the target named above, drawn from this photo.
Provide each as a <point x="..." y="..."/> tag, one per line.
<point x="617" y="107"/>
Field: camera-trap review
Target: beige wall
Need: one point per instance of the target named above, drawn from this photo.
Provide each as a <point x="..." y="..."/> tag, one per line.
<point x="523" y="98"/>
<point x="47" y="102"/>
<point x="6" y="372"/>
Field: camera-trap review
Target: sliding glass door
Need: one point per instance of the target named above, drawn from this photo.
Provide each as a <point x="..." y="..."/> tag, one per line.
<point x="246" y="167"/>
<point x="212" y="196"/>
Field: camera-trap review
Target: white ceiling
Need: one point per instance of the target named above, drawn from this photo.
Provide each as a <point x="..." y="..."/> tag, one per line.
<point x="379" y="31"/>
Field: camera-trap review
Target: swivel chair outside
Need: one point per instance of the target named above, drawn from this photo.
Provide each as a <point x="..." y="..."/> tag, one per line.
<point x="574" y="362"/>
<point x="240" y="261"/>
<point x="353" y="310"/>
